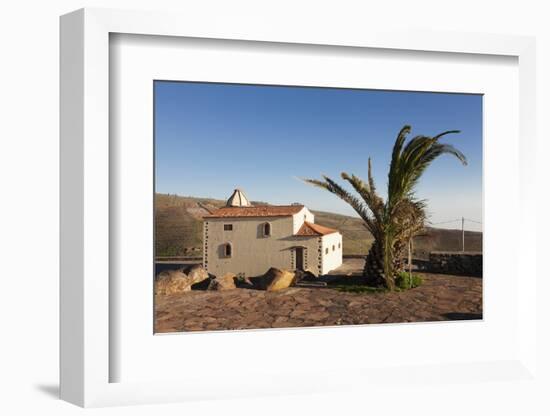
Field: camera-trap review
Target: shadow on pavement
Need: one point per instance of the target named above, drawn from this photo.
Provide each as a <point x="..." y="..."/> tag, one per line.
<point x="462" y="316"/>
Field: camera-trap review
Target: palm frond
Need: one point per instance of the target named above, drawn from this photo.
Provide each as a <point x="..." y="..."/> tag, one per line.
<point x="337" y="190"/>
<point x="440" y="135"/>
<point x="414" y="159"/>
<point x="398" y="145"/>
<point x="372" y="200"/>
<point x="371" y="179"/>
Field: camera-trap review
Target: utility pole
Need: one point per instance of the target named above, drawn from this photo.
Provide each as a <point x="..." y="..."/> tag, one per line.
<point x="463" y="234"/>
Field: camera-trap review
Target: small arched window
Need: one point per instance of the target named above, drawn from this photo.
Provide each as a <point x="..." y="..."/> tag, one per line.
<point x="267" y="229"/>
<point x="228" y="250"/>
<point x="333" y="247"/>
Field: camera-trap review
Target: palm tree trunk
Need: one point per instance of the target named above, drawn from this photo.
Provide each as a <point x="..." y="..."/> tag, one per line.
<point x="390" y="261"/>
<point x="398" y="253"/>
<point x="374" y="265"/>
<point x="410" y="263"/>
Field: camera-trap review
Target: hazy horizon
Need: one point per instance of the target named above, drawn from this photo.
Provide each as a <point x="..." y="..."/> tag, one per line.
<point x="213" y="138"/>
<point x="353" y="214"/>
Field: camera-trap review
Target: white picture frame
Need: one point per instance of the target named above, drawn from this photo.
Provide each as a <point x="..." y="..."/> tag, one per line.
<point x="86" y="356"/>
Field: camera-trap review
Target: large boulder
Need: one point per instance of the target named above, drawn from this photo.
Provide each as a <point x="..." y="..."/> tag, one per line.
<point x="171" y="282"/>
<point x="225" y="282"/>
<point x="276" y="279"/>
<point x="305" y="276"/>
<point x="196" y="272"/>
<point x="244" y="282"/>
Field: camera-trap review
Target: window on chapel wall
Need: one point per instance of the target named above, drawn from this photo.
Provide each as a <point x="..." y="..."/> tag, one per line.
<point x="227" y="250"/>
<point x="267" y="229"/>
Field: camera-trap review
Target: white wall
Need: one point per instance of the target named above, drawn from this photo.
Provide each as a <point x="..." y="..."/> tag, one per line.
<point x="333" y="258"/>
<point x="29" y="209"/>
<point x="253" y="253"/>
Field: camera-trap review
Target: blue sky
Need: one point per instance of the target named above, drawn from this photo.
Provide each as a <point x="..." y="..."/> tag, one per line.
<point x="212" y="138"/>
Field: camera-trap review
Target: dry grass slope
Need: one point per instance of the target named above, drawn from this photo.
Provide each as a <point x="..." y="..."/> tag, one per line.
<point x="178" y="229"/>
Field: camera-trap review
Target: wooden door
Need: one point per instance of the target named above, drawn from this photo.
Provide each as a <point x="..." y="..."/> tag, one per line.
<point x="299" y="258"/>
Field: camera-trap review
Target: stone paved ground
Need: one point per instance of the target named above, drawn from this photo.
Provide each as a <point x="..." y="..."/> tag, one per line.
<point x="441" y="297"/>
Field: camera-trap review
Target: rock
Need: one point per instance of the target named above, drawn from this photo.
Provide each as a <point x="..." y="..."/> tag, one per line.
<point x="197" y="273"/>
<point x="225" y="282"/>
<point x="244" y="282"/>
<point x="306" y="276"/>
<point x="277" y="279"/>
<point x="170" y="282"/>
<point x="203" y="285"/>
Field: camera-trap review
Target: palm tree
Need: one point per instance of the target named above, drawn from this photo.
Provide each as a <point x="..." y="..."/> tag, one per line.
<point x="396" y="220"/>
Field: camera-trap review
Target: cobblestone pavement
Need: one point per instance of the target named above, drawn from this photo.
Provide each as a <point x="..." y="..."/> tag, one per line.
<point x="440" y="297"/>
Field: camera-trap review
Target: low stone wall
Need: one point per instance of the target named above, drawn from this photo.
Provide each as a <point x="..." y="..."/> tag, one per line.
<point x="465" y="264"/>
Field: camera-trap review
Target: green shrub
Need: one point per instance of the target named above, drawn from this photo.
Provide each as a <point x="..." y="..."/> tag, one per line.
<point x="403" y="280"/>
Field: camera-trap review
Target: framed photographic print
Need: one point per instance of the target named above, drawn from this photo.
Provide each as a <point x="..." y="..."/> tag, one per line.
<point x="249" y="212"/>
<point x="303" y="258"/>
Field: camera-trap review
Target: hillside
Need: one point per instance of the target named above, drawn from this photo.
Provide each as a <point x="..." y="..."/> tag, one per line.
<point x="178" y="229"/>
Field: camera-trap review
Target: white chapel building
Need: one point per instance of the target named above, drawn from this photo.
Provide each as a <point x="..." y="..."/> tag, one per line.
<point x="244" y="239"/>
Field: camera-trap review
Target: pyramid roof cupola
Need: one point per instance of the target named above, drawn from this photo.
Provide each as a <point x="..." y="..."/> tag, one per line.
<point x="238" y="199"/>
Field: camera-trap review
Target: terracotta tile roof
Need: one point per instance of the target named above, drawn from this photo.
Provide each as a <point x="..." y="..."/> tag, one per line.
<point x="308" y="229"/>
<point x="256" y="211"/>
